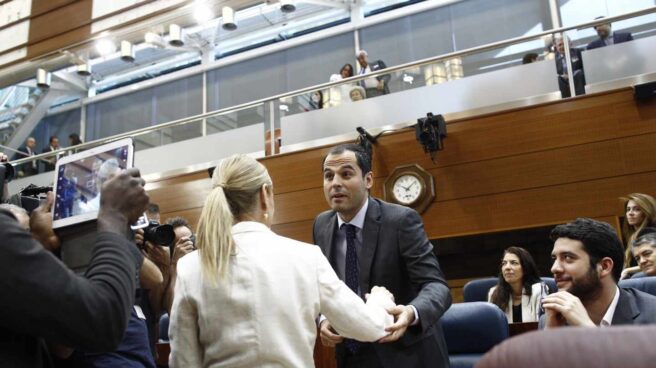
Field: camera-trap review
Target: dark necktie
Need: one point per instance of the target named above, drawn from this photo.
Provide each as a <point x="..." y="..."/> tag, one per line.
<point x="351" y="274"/>
<point x="363" y="71"/>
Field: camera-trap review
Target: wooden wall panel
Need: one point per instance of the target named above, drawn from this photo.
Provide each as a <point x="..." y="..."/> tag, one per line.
<point x="44" y="6"/>
<point x="527" y="167"/>
<point x="58" y="27"/>
<point x="516" y="133"/>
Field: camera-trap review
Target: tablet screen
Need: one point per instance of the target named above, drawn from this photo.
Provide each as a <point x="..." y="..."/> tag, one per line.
<point x="79" y="179"/>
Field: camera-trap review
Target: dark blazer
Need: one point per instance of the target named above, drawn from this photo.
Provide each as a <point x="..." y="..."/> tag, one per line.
<point x="618" y="37"/>
<point x="376" y="66"/>
<point x="397" y="254"/>
<point x="579" y="78"/>
<point x="29" y="168"/>
<point x="49" y="163"/>
<point x="635" y="308"/>
<point x="42" y="300"/>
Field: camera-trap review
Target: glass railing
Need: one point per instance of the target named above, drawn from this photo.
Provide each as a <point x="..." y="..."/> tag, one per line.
<point x="478" y="80"/>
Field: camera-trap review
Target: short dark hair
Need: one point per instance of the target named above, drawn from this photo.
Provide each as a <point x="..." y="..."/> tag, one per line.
<point x="177" y="222"/>
<point x="529" y="58"/>
<point x="647" y="237"/>
<point x="599" y="240"/>
<point x="52" y="137"/>
<point x="152" y="208"/>
<point x="363" y="158"/>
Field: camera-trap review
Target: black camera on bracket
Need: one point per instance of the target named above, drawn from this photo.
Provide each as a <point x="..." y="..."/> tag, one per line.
<point x="159" y="234"/>
<point x="430" y="132"/>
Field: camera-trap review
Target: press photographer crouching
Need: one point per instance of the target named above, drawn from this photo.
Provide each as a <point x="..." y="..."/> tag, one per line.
<point x="46" y="303"/>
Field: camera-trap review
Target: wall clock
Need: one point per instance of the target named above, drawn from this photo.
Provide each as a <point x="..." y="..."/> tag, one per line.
<point x="411" y="186"/>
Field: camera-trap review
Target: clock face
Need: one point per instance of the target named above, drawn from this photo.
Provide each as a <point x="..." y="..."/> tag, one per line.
<point x="407" y="189"/>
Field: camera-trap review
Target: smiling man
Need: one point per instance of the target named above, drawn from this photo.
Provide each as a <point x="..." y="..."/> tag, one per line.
<point x="644" y="251"/>
<point x="371" y="242"/>
<point x="587" y="263"/>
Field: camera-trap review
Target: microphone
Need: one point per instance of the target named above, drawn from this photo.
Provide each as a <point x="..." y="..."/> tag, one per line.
<point x="363" y="132"/>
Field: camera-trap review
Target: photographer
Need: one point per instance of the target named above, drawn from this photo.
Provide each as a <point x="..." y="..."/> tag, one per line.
<point x="153" y="279"/>
<point x="184" y="244"/>
<point x="45" y="301"/>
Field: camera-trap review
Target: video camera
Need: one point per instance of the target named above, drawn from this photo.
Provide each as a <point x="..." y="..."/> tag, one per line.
<point x="29" y="197"/>
<point x="430" y="132"/>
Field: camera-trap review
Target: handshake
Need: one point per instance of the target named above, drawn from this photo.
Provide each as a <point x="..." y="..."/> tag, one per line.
<point x="404" y="316"/>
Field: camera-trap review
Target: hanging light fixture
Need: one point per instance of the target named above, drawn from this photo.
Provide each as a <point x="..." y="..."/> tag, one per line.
<point x="287" y="6"/>
<point x="43" y="78"/>
<point x="175" y="35"/>
<point x="127" y="51"/>
<point x="228" y="15"/>
<point x="84" y="70"/>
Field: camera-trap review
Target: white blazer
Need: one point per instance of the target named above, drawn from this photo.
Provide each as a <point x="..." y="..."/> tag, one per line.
<point x="263" y="314"/>
<point x="530" y="305"/>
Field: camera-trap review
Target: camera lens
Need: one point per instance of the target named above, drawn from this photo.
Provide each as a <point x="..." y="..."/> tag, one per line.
<point x="7" y="171"/>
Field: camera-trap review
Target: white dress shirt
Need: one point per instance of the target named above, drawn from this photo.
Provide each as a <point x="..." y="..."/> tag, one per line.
<point x="368" y="82"/>
<point x="263" y="313"/>
<point x="607" y="320"/>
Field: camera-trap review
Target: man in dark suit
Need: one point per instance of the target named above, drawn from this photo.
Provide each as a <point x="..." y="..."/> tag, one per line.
<point x="605" y="37"/>
<point x="53" y="145"/>
<point x="28" y="168"/>
<point x="370" y="242"/>
<point x="373" y="86"/>
<point x="588" y="257"/>
<point x="577" y="69"/>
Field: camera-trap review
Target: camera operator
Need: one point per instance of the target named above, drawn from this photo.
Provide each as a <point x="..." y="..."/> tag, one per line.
<point x="153" y="281"/>
<point x="45" y="301"/>
<point x="184" y="244"/>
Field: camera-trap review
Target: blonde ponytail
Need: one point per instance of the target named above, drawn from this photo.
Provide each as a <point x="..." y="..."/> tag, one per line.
<point x="236" y="184"/>
<point x="215" y="243"/>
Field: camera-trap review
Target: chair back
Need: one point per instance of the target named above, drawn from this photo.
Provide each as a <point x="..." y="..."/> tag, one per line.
<point x="616" y="347"/>
<point x="164" y="328"/>
<point x="471" y="329"/>
<point x="476" y="290"/>
<point x="644" y="284"/>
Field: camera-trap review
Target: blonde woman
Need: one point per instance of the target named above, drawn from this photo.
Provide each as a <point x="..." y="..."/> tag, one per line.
<point x="640" y="212"/>
<point x="248" y="297"/>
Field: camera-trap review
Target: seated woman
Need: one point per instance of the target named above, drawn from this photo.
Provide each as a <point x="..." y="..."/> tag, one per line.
<point x="249" y="297"/>
<point x="519" y="290"/>
<point x="357" y="93"/>
<point x="640" y="213"/>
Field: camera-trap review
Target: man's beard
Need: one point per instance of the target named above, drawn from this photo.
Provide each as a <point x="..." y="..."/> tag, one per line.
<point x="587" y="288"/>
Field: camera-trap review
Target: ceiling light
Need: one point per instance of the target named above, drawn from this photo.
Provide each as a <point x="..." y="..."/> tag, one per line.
<point x="127" y="51"/>
<point x="105" y="47"/>
<point x="228" y="15"/>
<point x="202" y="13"/>
<point x="287" y="6"/>
<point x="43" y="78"/>
<point x="84" y="70"/>
<point x="175" y="35"/>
